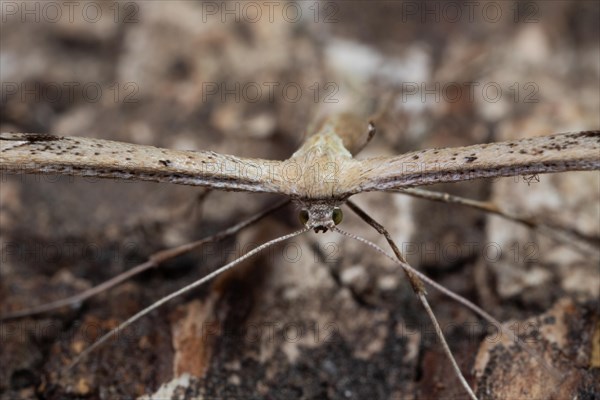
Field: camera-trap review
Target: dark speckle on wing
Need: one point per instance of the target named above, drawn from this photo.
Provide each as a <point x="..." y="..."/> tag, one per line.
<point x="40" y="137"/>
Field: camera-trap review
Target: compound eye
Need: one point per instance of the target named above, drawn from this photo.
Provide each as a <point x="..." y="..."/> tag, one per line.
<point x="303" y="216"/>
<point x="337" y="215"/>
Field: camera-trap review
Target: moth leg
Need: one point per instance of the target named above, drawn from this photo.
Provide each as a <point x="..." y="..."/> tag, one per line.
<point x="419" y="289"/>
<point x="555" y="373"/>
<point x="570" y="236"/>
<point x="154" y="261"/>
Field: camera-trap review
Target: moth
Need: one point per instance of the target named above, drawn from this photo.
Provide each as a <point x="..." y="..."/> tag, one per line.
<point x="320" y="177"/>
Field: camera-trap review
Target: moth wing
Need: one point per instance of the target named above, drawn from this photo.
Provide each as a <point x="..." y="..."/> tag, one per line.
<point x="544" y="154"/>
<point x="46" y="154"/>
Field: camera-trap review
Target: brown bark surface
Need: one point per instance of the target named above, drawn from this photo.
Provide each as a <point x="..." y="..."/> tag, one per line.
<point x="321" y="316"/>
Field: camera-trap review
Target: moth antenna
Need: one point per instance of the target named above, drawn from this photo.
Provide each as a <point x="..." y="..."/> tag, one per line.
<point x="153" y="261"/>
<point x="571" y="237"/>
<point x="420" y="292"/>
<point x="460" y="299"/>
<point x="181" y="291"/>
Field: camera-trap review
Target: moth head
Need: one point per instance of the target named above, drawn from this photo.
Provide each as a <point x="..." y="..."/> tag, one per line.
<point x="320" y="216"/>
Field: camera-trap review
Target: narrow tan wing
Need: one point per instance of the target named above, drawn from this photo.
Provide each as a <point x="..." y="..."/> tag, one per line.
<point x="557" y="153"/>
<point x="46" y="154"/>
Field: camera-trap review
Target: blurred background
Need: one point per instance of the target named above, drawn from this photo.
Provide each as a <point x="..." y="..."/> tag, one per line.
<point x="332" y="321"/>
